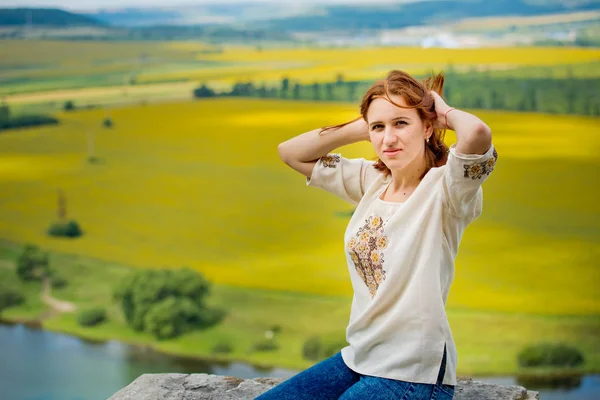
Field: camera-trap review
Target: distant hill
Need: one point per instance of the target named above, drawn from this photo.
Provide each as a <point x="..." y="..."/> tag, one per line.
<point x="131" y="17"/>
<point x="50" y="17"/>
<point x="324" y="15"/>
<point x="345" y="17"/>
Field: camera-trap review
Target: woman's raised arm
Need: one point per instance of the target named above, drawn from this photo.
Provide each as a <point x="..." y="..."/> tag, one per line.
<point x="302" y="152"/>
<point x="472" y="134"/>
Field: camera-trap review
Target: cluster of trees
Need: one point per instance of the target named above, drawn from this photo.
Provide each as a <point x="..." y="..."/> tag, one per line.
<point x="8" y="121"/>
<point x="317" y="348"/>
<point x="547" y="354"/>
<point x="331" y="91"/>
<point x="480" y="91"/>
<point x="550" y="95"/>
<point x="10" y="294"/>
<point x="166" y="303"/>
<point x="32" y="265"/>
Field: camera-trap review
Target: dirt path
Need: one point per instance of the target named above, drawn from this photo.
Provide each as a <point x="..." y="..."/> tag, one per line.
<point x="58" y="306"/>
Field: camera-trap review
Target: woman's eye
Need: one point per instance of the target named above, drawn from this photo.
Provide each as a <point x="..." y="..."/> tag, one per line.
<point x="376" y="126"/>
<point x="401" y="122"/>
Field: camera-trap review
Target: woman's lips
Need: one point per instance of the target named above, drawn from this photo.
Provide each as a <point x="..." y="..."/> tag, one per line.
<point x="392" y="153"/>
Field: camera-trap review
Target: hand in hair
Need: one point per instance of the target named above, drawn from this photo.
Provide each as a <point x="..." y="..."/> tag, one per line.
<point x="440" y="108"/>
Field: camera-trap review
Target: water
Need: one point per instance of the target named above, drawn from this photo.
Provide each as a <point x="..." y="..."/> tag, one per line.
<point x="41" y="365"/>
<point x="588" y="389"/>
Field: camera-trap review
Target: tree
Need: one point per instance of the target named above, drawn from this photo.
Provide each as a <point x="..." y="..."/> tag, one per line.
<point x="478" y="101"/>
<point x="532" y="98"/>
<point x="243" y="89"/>
<point x="4" y="113"/>
<point x="329" y="91"/>
<point x="448" y="92"/>
<point x="316" y="91"/>
<point x="69" y="105"/>
<point x="32" y="264"/>
<point x="204" y="91"/>
<point x="9" y="295"/>
<point x="166" y="303"/>
<point x="285" y="85"/>
<point x="497" y="102"/>
<point x="296" y="91"/>
<point x="172" y="316"/>
<point x="352" y="86"/>
<point x="262" y="91"/>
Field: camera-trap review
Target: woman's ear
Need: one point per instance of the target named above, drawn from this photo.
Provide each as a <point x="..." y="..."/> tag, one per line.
<point x="428" y="129"/>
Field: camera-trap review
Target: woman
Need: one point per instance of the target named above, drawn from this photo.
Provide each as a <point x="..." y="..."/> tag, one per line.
<point x="412" y="207"/>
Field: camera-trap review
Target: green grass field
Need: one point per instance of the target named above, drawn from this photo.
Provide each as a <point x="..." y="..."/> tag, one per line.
<point x="488" y="342"/>
<point x="200" y="184"/>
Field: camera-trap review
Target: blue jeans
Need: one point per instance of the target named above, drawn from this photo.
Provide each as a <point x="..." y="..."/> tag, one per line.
<point x="331" y="379"/>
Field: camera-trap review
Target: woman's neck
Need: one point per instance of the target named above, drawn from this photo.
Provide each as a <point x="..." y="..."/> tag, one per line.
<point x="408" y="178"/>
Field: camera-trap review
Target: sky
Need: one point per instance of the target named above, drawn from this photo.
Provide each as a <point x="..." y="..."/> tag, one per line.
<point x="77" y="5"/>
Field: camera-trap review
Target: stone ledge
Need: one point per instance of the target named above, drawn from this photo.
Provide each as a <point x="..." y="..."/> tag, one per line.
<point x="209" y="386"/>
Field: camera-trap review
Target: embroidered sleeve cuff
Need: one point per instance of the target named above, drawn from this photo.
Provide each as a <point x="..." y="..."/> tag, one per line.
<point x="472" y="166"/>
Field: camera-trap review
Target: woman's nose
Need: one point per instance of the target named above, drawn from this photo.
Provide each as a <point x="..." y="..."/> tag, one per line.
<point x="389" y="137"/>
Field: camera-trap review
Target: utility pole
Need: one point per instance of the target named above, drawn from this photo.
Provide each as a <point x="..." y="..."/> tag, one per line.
<point x="62" y="206"/>
<point x="90" y="137"/>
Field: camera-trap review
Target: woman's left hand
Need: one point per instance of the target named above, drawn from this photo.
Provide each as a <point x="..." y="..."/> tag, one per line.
<point x="440" y="108"/>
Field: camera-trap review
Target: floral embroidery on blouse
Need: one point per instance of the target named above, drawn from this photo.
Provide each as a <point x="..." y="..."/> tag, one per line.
<point x="330" y="160"/>
<point x="366" y="251"/>
<point x="477" y="170"/>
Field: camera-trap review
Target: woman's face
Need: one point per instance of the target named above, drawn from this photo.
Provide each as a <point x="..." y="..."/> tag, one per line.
<point x="392" y="127"/>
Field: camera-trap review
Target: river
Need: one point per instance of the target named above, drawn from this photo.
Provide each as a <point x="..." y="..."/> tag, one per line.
<point x="42" y="365"/>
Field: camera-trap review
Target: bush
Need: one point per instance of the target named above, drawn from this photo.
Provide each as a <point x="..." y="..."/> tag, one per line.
<point x="550" y="354"/>
<point x="4" y="113"/>
<point x="61" y="229"/>
<point x="331" y="348"/>
<point x="32" y="263"/>
<point x="222" y="347"/>
<point x="276" y="329"/>
<point x="204" y="91"/>
<point x="265" y="345"/>
<point x="316" y="349"/>
<point x="312" y="348"/>
<point x="69" y="105"/>
<point x="10" y="296"/>
<point x="107" y="123"/>
<point x="27" y="120"/>
<point x="91" y="317"/>
<point x="58" y="282"/>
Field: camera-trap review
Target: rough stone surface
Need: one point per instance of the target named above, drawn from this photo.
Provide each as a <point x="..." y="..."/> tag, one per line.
<point x="208" y="386"/>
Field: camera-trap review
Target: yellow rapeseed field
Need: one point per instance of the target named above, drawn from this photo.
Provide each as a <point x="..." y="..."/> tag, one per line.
<point x="307" y="65"/>
<point x="35" y="65"/>
<point x="200" y="184"/>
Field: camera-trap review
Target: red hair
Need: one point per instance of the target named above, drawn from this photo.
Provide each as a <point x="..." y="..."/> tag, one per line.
<point x="416" y="95"/>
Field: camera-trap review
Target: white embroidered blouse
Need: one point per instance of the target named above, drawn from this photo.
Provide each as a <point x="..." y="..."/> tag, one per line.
<point x="401" y="261"/>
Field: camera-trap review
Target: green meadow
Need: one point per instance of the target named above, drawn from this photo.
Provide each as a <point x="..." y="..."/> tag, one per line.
<point x="488" y="342"/>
